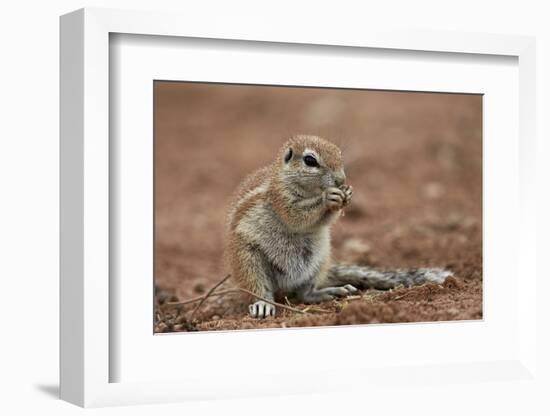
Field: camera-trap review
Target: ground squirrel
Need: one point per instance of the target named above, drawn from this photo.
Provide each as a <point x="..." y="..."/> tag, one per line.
<point x="278" y="231"/>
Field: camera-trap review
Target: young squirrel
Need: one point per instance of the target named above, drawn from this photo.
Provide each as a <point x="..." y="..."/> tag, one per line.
<point x="278" y="231"/>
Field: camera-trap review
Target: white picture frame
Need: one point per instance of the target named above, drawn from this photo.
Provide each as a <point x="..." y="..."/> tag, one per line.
<point x="86" y="305"/>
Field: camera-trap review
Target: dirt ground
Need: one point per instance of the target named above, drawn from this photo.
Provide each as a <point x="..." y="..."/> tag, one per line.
<point x="413" y="159"/>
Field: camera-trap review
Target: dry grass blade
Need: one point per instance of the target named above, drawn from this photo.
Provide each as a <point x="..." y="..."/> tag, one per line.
<point x="316" y="309"/>
<point x="211" y="293"/>
<point x="207" y="295"/>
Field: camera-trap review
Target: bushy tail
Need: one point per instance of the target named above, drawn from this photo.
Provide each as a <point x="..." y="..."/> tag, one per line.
<point x="370" y="278"/>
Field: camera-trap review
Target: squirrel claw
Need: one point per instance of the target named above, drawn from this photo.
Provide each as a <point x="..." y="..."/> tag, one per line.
<point x="348" y="193"/>
<point x="261" y="309"/>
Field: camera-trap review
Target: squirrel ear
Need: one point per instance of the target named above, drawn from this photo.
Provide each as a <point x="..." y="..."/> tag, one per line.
<point x="288" y="155"/>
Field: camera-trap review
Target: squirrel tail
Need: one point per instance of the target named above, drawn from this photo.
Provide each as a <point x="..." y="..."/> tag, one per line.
<point x="363" y="277"/>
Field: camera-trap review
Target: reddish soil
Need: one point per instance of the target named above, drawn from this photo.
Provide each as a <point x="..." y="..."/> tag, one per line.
<point x="414" y="160"/>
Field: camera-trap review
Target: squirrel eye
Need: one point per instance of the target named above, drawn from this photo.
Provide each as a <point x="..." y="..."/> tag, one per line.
<point x="311" y="161"/>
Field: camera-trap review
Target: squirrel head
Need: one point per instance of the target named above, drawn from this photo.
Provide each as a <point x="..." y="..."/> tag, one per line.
<point x="311" y="164"/>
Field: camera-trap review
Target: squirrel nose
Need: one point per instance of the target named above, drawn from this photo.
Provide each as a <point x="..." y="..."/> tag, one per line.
<point x="339" y="178"/>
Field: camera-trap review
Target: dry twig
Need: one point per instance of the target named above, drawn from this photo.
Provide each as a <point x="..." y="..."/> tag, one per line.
<point x="315" y="309"/>
<point x="207" y="295"/>
<point x="199" y="298"/>
<point x="202" y="299"/>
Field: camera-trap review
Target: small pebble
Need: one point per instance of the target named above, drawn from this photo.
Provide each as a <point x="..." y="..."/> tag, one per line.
<point x="199" y="288"/>
<point x="434" y="190"/>
<point x="162" y="327"/>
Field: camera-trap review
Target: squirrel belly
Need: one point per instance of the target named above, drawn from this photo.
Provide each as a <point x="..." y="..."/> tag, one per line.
<point x="285" y="260"/>
<point x="278" y="231"/>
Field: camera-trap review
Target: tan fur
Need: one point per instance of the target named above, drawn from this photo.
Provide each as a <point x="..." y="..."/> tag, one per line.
<point x="267" y="199"/>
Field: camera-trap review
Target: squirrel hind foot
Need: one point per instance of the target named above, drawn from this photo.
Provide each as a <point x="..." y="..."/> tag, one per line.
<point x="328" y="293"/>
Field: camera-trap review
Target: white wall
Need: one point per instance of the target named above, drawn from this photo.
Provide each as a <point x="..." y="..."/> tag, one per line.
<point x="29" y="189"/>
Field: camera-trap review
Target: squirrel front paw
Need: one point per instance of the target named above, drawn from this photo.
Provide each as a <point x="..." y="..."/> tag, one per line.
<point x="348" y="193"/>
<point x="261" y="309"/>
<point x="335" y="198"/>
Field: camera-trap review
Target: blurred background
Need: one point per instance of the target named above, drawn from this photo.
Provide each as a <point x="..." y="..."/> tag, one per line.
<point x="414" y="160"/>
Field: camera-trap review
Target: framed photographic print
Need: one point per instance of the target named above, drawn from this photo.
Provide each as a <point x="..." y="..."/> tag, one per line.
<point x="227" y="197"/>
<point x="414" y="160"/>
